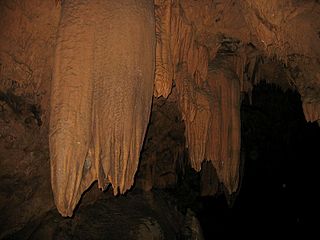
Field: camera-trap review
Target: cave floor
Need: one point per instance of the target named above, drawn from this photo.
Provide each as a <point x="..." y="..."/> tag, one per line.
<point x="132" y="216"/>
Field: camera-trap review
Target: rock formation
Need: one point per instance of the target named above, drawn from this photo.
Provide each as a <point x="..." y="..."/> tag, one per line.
<point x="97" y="60"/>
<point x="101" y="96"/>
<point x="212" y="54"/>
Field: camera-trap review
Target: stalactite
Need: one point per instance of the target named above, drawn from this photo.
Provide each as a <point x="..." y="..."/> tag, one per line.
<point x="192" y="62"/>
<point x="223" y="149"/>
<point x="311" y="111"/>
<point x="212" y="117"/>
<point x="101" y="96"/>
<point x="164" y="67"/>
<point x="195" y="107"/>
<point x="248" y="65"/>
<point x="210" y="105"/>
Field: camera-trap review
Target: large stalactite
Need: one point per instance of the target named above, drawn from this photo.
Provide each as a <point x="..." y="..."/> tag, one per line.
<point x="101" y="96"/>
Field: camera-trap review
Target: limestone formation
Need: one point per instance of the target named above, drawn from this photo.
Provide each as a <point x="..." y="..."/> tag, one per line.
<point x="103" y="61"/>
<point x="101" y="96"/>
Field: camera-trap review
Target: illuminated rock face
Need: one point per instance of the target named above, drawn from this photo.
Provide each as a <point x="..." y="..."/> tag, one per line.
<point x="101" y="96"/>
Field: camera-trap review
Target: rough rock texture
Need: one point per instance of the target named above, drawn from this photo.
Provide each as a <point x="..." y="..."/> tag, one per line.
<point x="292" y="35"/>
<point x="209" y="183"/>
<point x="27" y="39"/>
<point x="101" y="96"/>
<point x="163" y="156"/>
<point x="134" y="217"/>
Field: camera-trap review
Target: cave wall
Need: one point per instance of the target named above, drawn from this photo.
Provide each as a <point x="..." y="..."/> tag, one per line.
<point x="27" y="40"/>
<point x="291" y="35"/>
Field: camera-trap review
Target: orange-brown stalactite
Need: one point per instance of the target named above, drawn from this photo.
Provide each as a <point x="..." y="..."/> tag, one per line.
<point x="212" y="117"/>
<point x="311" y="111"/>
<point x="101" y="96"/>
<point x="164" y="66"/>
<point x="223" y="149"/>
<point x="194" y="104"/>
<point x="210" y="104"/>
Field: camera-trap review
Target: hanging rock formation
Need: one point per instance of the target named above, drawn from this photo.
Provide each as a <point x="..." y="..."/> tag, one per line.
<point x="208" y="99"/>
<point x="190" y="54"/>
<point x="101" y="96"/>
<point x="211" y="54"/>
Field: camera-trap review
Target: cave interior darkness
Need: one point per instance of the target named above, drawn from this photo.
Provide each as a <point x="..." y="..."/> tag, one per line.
<point x="275" y="186"/>
<point x="273" y="195"/>
<point x="159" y="119"/>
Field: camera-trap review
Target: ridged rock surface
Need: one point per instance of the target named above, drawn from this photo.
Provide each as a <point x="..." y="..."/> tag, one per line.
<point x="101" y="96"/>
<point x="209" y="100"/>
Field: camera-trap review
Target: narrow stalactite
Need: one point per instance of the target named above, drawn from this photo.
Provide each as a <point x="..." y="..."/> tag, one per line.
<point x="311" y="111"/>
<point x="224" y="148"/>
<point x="164" y="67"/>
